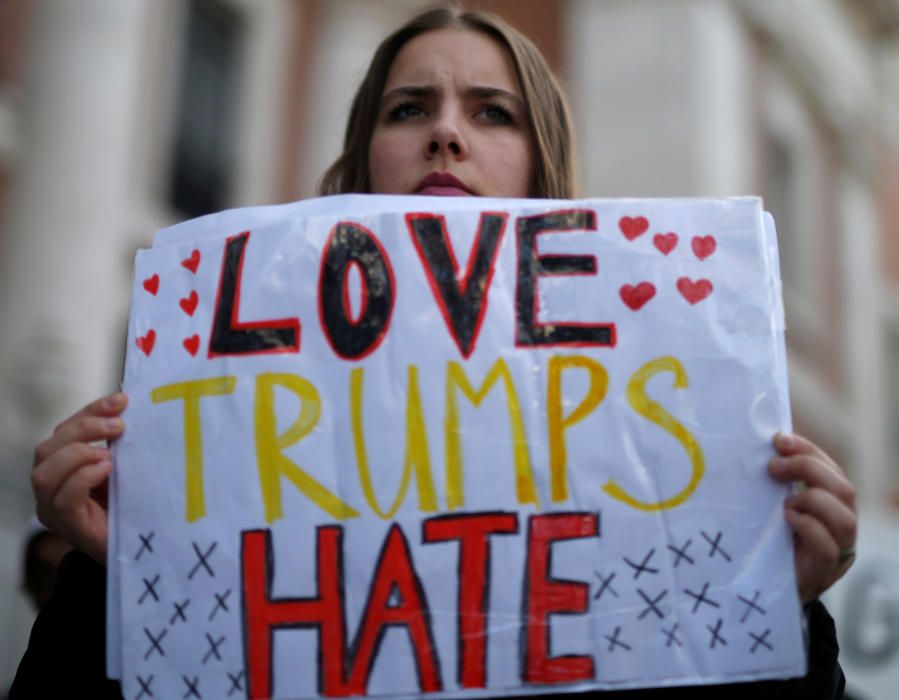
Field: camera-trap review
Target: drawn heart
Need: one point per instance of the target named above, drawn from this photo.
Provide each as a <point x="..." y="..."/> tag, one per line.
<point x="146" y="342"/>
<point x="636" y="297"/>
<point x="631" y="228"/>
<point x="665" y="242"/>
<point x="703" y="246"/>
<point x="193" y="262"/>
<point x="151" y="284"/>
<point x="189" y="304"/>
<point x="192" y="344"/>
<point x="694" y="292"/>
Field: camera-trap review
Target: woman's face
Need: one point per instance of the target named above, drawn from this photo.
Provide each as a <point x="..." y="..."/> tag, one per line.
<point x="452" y="121"/>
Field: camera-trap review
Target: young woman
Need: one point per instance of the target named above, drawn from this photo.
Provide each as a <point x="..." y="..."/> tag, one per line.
<point x="458" y="104"/>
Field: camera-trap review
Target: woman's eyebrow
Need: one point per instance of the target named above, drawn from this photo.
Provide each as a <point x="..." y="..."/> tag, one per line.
<point x="487" y="92"/>
<point x="426" y="91"/>
<point x="418" y="91"/>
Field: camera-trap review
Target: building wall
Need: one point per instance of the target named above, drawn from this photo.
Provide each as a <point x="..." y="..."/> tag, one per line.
<point x="795" y="100"/>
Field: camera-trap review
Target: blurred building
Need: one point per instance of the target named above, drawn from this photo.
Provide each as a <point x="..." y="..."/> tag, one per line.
<point x="120" y="116"/>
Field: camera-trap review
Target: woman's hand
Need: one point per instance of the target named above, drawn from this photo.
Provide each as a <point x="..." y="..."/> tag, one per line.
<point x="823" y="516"/>
<point x="67" y="470"/>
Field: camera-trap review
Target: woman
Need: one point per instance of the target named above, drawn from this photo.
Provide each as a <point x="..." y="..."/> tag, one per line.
<point x="454" y="103"/>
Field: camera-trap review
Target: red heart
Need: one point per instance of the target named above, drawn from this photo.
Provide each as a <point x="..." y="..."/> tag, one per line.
<point x="193" y="262"/>
<point x="189" y="304"/>
<point x="694" y="292"/>
<point x="703" y="246"/>
<point x="151" y="284"/>
<point x="192" y="344"/>
<point x="636" y="297"/>
<point x="146" y="342"/>
<point x="631" y="228"/>
<point x="666" y="242"/>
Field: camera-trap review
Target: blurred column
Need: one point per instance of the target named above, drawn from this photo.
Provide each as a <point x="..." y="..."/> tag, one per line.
<point x="863" y="337"/>
<point x="60" y="260"/>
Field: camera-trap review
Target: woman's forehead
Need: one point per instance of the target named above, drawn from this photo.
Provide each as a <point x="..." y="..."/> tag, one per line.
<point x="464" y="56"/>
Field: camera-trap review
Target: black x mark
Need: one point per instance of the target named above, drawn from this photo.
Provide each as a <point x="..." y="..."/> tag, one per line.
<point x="701" y="597"/>
<point x="149" y="589"/>
<point x="236" y="682"/>
<point x="179" y="611"/>
<point x="642" y="566"/>
<point x="155" y="643"/>
<point x="751" y="605"/>
<point x="614" y="641"/>
<point x="220" y="603"/>
<point x="715" y="546"/>
<point x="203" y="560"/>
<point x="213" y="647"/>
<point x="715" y="636"/>
<point x="144" y="544"/>
<point x="144" y="687"/>
<point x="651" y="604"/>
<point x="192" y="690"/>
<point x="605" y="582"/>
<point x="760" y="639"/>
<point x="672" y="636"/>
<point x="681" y="553"/>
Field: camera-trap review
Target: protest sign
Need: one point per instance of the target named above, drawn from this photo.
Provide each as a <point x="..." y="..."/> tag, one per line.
<point x="392" y="446"/>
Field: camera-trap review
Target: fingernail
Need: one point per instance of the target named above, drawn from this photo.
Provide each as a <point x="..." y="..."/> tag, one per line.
<point x="113" y="424"/>
<point x="114" y="400"/>
<point x="777" y="464"/>
<point x="784" y="441"/>
<point x="104" y="465"/>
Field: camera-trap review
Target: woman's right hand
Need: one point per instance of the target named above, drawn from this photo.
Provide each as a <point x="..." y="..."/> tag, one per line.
<point x="67" y="470"/>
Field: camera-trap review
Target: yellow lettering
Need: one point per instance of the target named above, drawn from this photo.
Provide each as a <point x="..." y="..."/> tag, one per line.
<point x="557" y="423"/>
<point x="524" y="477"/>
<point x="190" y="393"/>
<point x="269" y="446"/>
<point x="653" y="411"/>
<point x="417" y="456"/>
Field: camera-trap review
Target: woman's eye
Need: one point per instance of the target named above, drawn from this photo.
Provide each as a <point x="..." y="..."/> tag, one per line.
<point x="406" y="110"/>
<point x="497" y="114"/>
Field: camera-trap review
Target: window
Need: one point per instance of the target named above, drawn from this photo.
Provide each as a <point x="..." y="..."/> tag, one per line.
<point x="892" y="426"/>
<point x="201" y="177"/>
<point x="780" y="197"/>
<point x="797" y="187"/>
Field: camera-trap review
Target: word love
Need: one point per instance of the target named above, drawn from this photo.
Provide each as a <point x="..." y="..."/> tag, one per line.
<point x="461" y="296"/>
<point x="397" y="599"/>
<point x="274" y="466"/>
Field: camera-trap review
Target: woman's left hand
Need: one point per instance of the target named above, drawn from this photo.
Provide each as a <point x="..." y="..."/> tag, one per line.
<point x="823" y="516"/>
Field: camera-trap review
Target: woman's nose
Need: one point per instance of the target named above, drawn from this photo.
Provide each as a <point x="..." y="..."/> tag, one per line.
<point x="447" y="139"/>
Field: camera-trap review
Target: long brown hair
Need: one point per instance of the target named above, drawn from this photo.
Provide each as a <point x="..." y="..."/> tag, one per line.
<point x="545" y="102"/>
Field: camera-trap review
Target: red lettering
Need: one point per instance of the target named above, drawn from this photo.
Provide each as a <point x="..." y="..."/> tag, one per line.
<point x="395" y="571"/>
<point x="473" y="532"/>
<point x="262" y="615"/>
<point x="545" y="596"/>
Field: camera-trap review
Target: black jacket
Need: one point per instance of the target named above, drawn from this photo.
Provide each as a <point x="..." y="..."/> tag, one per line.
<point x="66" y="652"/>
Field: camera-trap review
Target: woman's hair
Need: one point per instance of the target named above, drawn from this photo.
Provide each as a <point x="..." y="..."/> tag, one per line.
<point x="547" y="108"/>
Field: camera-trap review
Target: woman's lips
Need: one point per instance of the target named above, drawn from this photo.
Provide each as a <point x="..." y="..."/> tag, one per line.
<point x="442" y="185"/>
<point x="443" y="191"/>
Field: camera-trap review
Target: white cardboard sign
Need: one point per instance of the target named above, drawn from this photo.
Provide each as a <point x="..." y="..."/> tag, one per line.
<point x="393" y="446"/>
